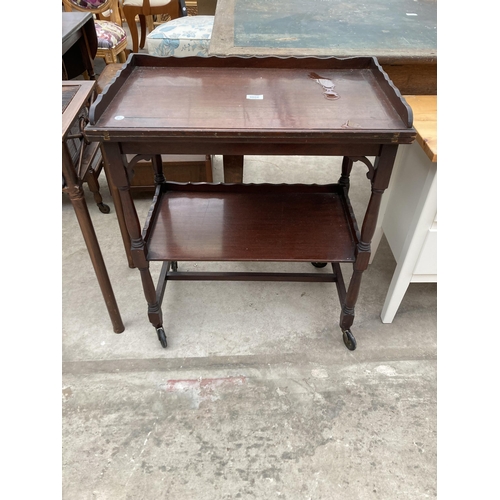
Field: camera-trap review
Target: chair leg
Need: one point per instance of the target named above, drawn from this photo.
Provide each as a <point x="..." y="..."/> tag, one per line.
<point x="142" y="20"/>
<point x="130" y="17"/>
<point x="122" y="56"/>
<point x="111" y="57"/>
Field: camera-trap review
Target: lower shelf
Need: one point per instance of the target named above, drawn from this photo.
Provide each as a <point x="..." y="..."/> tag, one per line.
<point x="250" y="222"/>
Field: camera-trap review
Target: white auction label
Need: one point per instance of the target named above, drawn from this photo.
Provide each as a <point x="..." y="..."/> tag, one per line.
<point x="254" y="96"/>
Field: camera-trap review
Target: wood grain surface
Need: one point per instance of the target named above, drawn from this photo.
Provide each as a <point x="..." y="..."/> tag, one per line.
<point x="425" y="122"/>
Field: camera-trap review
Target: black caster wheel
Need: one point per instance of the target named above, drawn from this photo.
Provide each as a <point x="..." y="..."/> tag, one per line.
<point x="175" y="267"/>
<point x="104" y="208"/>
<point x="319" y="264"/>
<point x="349" y="340"/>
<point x="162" y="337"/>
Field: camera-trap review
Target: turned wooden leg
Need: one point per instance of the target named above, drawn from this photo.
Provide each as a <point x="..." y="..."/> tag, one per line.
<point x="157" y="163"/>
<point x="138" y="248"/>
<point x="344" y="180"/>
<point x="138" y="251"/>
<point x="380" y="175"/>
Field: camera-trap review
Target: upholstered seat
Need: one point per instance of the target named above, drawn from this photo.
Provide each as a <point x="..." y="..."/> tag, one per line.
<point x="109" y="35"/>
<point x="182" y="37"/>
<point x="145" y="9"/>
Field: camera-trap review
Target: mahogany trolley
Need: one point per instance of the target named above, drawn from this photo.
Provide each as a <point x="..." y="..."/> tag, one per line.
<point x="251" y="106"/>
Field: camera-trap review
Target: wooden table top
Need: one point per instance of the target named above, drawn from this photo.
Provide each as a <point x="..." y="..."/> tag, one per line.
<point x="394" y="31"/>
<point x="71" y="22"/>
<point x="250" y="99"/>
<point x="425" y="122"/>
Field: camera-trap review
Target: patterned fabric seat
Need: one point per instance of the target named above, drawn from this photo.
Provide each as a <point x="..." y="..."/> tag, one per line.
<point x="146" y="10"/>
<point x="181" y="37"/>
<point x="109" y="35"/>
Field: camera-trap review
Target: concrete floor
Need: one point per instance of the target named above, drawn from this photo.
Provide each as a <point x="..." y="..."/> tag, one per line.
<point x="256" y="396"/>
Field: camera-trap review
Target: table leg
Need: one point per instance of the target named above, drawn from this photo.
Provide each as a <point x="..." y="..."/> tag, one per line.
<point x="138" y="250"/>
<point x="138" y="247"/>
<point x="344" y="180"/>
<point x="119" y="213"/>
<point x="380" y="180"/>
<point x="158" y="169"/>
<point x="233" y="168"/>
<point x="77" y="197"/>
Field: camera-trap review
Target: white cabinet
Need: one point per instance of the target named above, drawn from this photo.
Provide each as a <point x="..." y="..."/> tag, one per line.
<point x="408" y="213"/>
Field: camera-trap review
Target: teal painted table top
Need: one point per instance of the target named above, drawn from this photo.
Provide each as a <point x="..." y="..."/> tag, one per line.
<point x="392" y="30"/>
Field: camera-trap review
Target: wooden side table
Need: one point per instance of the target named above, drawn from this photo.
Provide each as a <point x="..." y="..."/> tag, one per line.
<point x="75" y="98"/>
<point x="408" y="214"/>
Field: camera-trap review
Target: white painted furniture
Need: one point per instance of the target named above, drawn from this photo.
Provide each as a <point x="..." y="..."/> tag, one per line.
<point x="408" y="213"/>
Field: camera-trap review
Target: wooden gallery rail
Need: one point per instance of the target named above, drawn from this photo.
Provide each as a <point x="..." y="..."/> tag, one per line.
<point x="257" y="106"/>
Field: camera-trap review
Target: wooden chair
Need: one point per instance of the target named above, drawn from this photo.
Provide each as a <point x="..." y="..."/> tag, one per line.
<point x="111" y="37"/>
<point x="206" y="7"/>
<point x="145" y="8"/>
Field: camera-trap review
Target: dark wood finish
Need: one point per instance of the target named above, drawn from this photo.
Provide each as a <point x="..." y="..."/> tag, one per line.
<point x="107" y="75"/>
<point x="75" y="97"/>
<point x="176" y="168"/>
<point x="251" y="276"/>
<point x="156" y="96"/>
<point x="306" y="112"/>
<point x="87" y="157"/>
<point x="238" y="106"/>
<point x="79" y="44"/>
<point x="401" y="34"/>
<point x="244" y="222"/>
<point x="233" y="168"/>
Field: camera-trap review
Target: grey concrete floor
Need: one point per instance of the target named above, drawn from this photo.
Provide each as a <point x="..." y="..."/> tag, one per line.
<point x="256" y="396"/>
